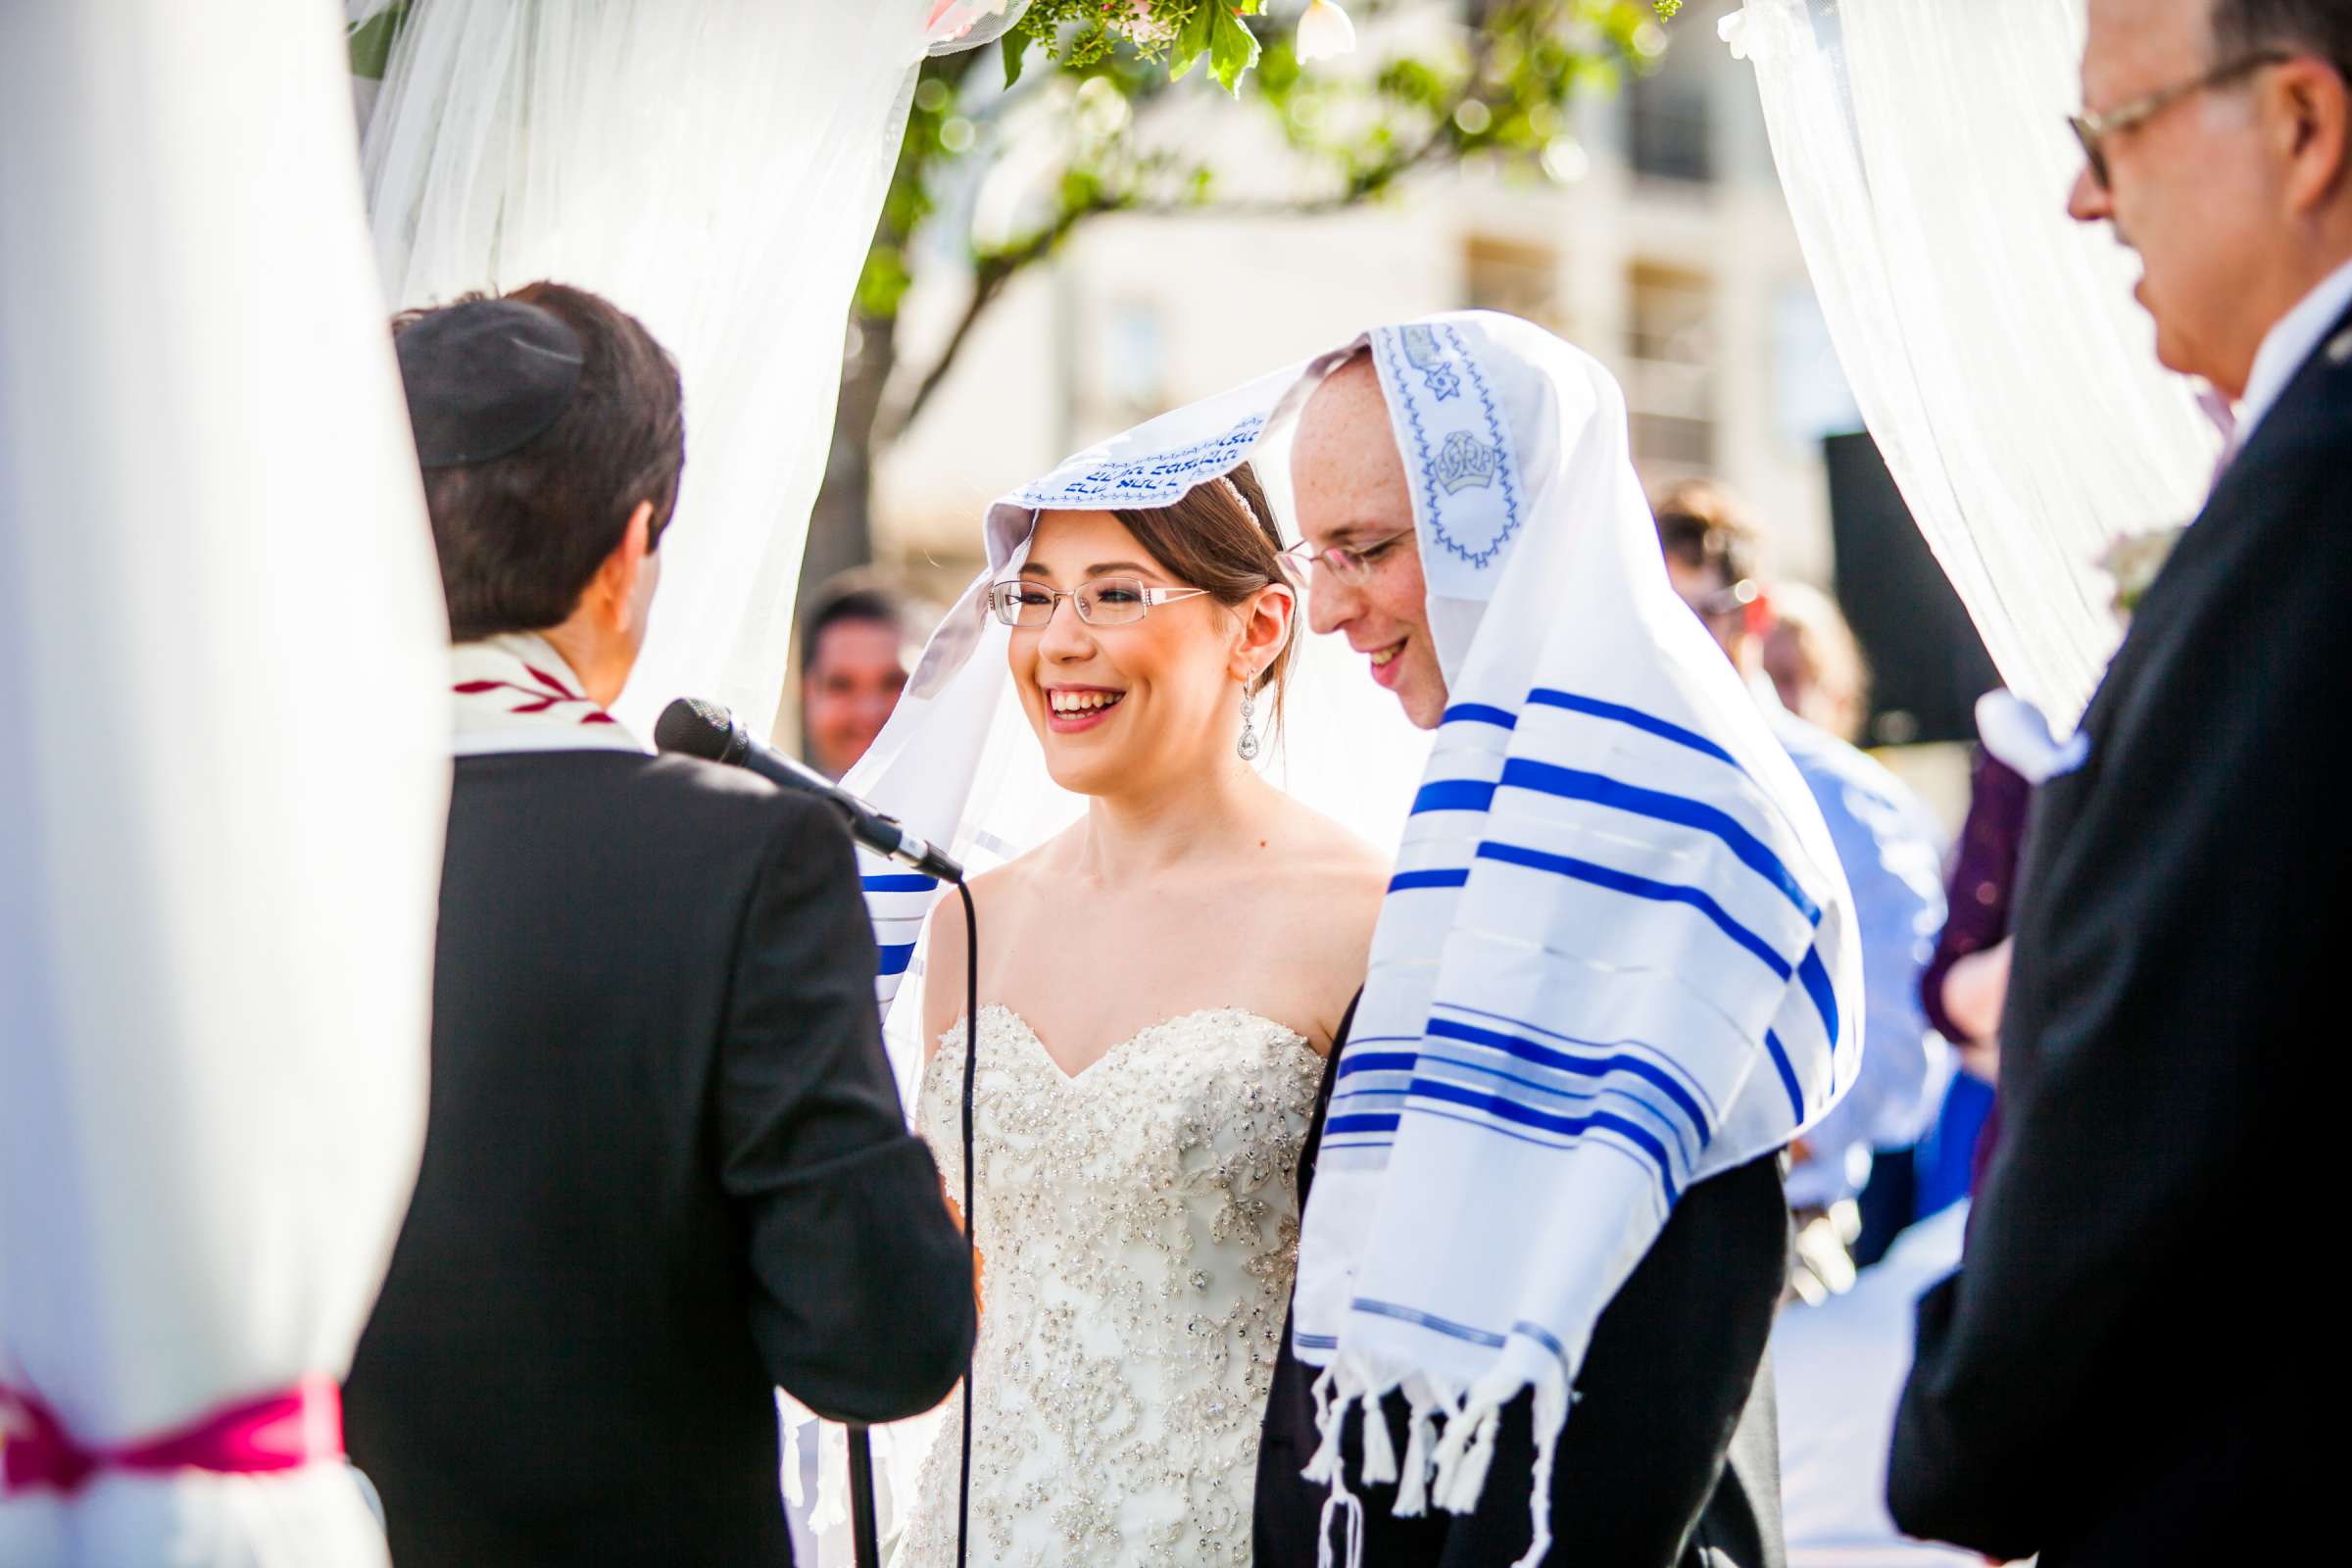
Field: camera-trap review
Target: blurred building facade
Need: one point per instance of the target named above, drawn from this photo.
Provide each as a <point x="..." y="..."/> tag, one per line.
<point x="1656" y="239"/>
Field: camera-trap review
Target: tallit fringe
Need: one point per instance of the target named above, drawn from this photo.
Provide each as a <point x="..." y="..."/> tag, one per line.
<point x="832" y="1479"/>
<point x="1380" y="1450"/>
<point x="795" y="1489"/>
<point x="1327" y="1469"/>
<point x="1421" y="1435"/>
<point x="1448" y="1452"/>
<point x="1465" y="1451"/>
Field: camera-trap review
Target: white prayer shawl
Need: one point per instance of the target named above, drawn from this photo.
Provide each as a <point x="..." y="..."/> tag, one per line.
<point x="1618" y="947"/>
<point x="514" y="693"/>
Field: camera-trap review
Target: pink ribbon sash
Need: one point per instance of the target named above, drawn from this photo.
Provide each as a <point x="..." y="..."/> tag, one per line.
<point x="277" y="1432"/>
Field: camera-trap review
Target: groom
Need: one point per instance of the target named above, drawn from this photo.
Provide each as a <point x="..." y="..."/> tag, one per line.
<point x="665" y="1167"/>
<point x="1670" y="1456"/>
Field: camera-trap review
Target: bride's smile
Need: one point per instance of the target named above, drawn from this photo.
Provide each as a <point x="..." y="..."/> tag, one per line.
<point x="1072" y="709"/>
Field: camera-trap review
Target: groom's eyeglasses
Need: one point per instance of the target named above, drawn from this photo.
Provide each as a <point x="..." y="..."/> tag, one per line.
<point x="1350" y="563"/>
<point x="1103" y="602"/>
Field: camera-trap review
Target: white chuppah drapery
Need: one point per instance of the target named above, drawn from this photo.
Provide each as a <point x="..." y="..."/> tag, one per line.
<point x="712" y="167"/>
<point x="1993" y="343"/>
<point x="224" y="732"/>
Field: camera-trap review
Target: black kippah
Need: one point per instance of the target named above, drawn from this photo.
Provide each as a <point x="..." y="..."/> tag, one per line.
<point x="485" y="377"/>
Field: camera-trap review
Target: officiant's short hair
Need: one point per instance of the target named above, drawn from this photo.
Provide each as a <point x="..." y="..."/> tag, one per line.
<point x="520" y="536"/>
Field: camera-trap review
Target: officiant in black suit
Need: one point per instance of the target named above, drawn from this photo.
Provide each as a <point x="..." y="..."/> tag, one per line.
<point x="2125" y="1369"/>
<point x="665" y="1167"/>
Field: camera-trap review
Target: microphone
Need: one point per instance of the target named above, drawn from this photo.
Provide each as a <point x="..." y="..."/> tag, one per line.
<point x="697" y="729"/>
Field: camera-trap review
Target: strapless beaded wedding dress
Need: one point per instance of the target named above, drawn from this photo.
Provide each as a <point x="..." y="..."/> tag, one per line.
<point x="1138" y="1225"/>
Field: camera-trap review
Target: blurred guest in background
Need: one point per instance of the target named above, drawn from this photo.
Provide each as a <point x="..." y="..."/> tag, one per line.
<point x="1893" y="857"/>
<point x="1814" y="664"/>
<point x="852" y="667"/>
<point x="2124" y="1369"/>
<point x="1967" y="976"/>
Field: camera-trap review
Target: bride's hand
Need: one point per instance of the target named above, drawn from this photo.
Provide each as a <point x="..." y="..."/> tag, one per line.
<point x="979" y="1258"/>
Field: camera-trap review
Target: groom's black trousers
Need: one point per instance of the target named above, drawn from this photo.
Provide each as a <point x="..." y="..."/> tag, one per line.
<point x="1670" y="1457"/>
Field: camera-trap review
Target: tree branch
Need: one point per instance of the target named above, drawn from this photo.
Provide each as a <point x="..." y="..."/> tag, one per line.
<point x="990" y="275"/>
<point x="993" y="270"/>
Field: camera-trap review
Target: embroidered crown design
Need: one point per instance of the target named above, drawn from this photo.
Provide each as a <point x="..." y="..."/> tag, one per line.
<point x="1464" y="460"/>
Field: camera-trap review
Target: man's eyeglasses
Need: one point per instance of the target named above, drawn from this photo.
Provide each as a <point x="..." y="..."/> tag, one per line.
<point x="1103" y="602"/>
<point x="2092" y="130"/>
<point x="1350" y="563"/>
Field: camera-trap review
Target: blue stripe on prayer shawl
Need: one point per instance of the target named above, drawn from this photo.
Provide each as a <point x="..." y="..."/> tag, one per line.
<point x="896" y="956"/>
<point x="1543" y="1336"/>
<point x="1370" y="1123"/>
<point x="1377" y="1062"/>
<point x="1511" y="1110"/>
<point x="1479" y="714"/>
<point x="1640" y="887"/>
<point x="895" y="883"/>
<point x="1414" y="1315"/>
<point x="1779" y="1060"/>
<point x="1816" y="978"/>
<point x="1640" y="720"/>
<point x="1560" y="1061"/>
<point x="1663" y="1061"/>
<point x="1580" y="1097"/>
<point x="1454" y="795"/>
<point x="1572" y="785"/>
<point x="1406" y="881"/>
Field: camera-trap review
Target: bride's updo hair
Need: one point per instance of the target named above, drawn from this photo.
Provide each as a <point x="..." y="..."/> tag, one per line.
<point x="1221" y="536"/>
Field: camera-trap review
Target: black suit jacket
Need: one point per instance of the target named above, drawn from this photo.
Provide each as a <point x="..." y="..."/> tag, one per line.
<point x="2113" y="1377"/>
<point x="1671" y="1457"/>
<point x="666" y="1170"/>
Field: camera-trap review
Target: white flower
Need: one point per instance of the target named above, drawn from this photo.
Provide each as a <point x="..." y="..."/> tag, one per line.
<point x="1324" y="31"/>
<point x="1732" y="31"/>
<point x="952" y="20"/>
<point x="2133" y="560"/>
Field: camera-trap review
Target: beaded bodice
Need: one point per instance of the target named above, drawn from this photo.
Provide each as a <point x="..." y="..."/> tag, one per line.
<point x="1138" y="1225"/>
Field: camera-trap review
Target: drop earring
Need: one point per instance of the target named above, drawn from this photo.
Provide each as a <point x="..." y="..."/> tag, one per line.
<point x="1246" y="746"/>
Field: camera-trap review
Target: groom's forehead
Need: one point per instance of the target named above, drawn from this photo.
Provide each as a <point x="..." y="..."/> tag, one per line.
<point x="1346" y="472"/>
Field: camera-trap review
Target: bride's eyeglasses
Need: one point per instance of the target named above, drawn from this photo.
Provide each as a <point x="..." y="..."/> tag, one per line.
<point x="1103" y="602"/>
<point x="1350" y="563"/>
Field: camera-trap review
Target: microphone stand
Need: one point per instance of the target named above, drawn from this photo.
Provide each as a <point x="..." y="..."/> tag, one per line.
<point x="865" y="1541"/>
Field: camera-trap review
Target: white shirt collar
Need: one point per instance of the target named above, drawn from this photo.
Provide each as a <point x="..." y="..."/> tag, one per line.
<point x="2291" y="340"/>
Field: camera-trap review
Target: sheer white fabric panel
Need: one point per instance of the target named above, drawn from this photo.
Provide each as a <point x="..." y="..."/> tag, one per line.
<point x="223" y="725"/>
<point x="716" y="169"/>
<point x="1991" y="342"/>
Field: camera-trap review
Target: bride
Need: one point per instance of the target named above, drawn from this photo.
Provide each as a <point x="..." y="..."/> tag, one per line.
<point x="1159" y="982"/>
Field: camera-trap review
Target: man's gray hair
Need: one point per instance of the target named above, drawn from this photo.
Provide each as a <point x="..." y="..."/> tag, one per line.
<point x="2321" y="28"/>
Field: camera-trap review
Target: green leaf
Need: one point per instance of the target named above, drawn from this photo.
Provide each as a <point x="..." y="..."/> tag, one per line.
<point x="1233" y="47"/>
<point x="1193" y="39"/>
<point x="371" y="41"/>
<point x="1016" y="45"/>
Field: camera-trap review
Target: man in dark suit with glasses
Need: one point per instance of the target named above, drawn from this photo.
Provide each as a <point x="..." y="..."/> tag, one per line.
<point x="2106" y="1381"/>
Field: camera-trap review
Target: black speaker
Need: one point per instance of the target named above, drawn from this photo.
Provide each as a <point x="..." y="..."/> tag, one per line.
<point x="1928" y="666"/>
